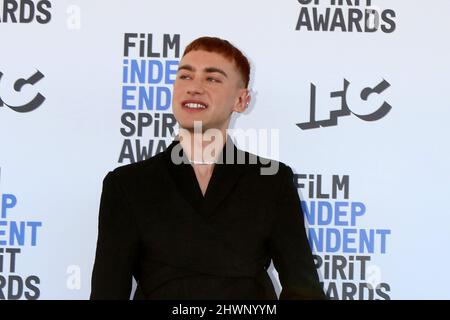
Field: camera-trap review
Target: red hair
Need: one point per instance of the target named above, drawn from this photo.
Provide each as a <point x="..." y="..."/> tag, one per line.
<point x="225" y="49"/>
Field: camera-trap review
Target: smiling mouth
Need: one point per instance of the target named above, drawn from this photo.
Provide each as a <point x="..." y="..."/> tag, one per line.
<point x="194" y="106"/>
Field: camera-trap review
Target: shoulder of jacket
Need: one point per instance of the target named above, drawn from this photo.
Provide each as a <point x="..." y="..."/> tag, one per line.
<point x="152" y="164"/>
<point x="266" y="166"/>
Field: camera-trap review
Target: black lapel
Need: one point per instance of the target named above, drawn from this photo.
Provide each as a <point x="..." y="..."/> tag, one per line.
<point x="183" y="176"/>
<point x="224" y="178"/>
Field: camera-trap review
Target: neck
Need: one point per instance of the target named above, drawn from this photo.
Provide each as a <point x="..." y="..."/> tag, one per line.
<point x="202" y="147"/>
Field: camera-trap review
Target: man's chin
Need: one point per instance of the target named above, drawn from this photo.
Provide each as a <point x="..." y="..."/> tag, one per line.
<point x="191" y="126"/>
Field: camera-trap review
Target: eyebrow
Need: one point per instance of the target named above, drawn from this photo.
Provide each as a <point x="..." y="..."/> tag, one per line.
<point x="208" y="69"/>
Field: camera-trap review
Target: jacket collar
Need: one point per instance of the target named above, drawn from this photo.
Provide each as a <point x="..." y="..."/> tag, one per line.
<point x="226" y="174"/>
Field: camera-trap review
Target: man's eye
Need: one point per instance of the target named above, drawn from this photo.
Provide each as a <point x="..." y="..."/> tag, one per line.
<point x="211" y="79"/>
<point x="184" y="77"/>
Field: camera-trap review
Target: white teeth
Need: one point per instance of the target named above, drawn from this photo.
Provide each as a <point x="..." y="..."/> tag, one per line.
<point x="195" y="106"/>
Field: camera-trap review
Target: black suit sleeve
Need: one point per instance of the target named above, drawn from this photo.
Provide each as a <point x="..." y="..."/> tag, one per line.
<point x="290" y="250"/>
<point x="116" y="245"/>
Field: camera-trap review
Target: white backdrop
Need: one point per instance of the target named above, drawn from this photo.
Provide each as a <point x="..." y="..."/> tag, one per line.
<point x="53" y="158"/>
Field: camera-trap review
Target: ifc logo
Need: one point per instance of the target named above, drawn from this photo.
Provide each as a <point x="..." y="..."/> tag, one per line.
<point x="18" y="85"/>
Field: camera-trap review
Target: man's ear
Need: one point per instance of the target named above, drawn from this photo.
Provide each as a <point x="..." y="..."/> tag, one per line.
<point x="243" y="100"/>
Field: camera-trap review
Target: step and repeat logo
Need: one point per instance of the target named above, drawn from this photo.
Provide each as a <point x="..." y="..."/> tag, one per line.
<point x="344" y="16"/>
<point x="30" y="105"/>
<point x="149" y="69"/>
<point x="25" y="11"/>
<point x="348" y="92"/>
<point x="17" y="236"/>
<point x="344" y="248"/>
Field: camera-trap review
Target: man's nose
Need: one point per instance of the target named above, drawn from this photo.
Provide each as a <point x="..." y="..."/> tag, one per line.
<point x="195" y="87"/>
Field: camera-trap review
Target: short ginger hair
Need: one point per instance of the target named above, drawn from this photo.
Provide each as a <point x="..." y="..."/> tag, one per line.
<point x="225" y="49"/>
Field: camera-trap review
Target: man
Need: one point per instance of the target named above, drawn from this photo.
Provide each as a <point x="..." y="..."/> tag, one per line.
<point x="200" y="220"/>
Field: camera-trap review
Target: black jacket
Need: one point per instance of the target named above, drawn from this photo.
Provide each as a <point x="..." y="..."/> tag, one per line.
<point x="156" y="226"/>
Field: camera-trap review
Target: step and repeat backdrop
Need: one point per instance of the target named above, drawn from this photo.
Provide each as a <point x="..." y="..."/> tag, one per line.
<point x="354" y="93"/>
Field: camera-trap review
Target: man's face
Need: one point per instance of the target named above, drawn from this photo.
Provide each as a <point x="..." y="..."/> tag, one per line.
<point x="208" y="88"/>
